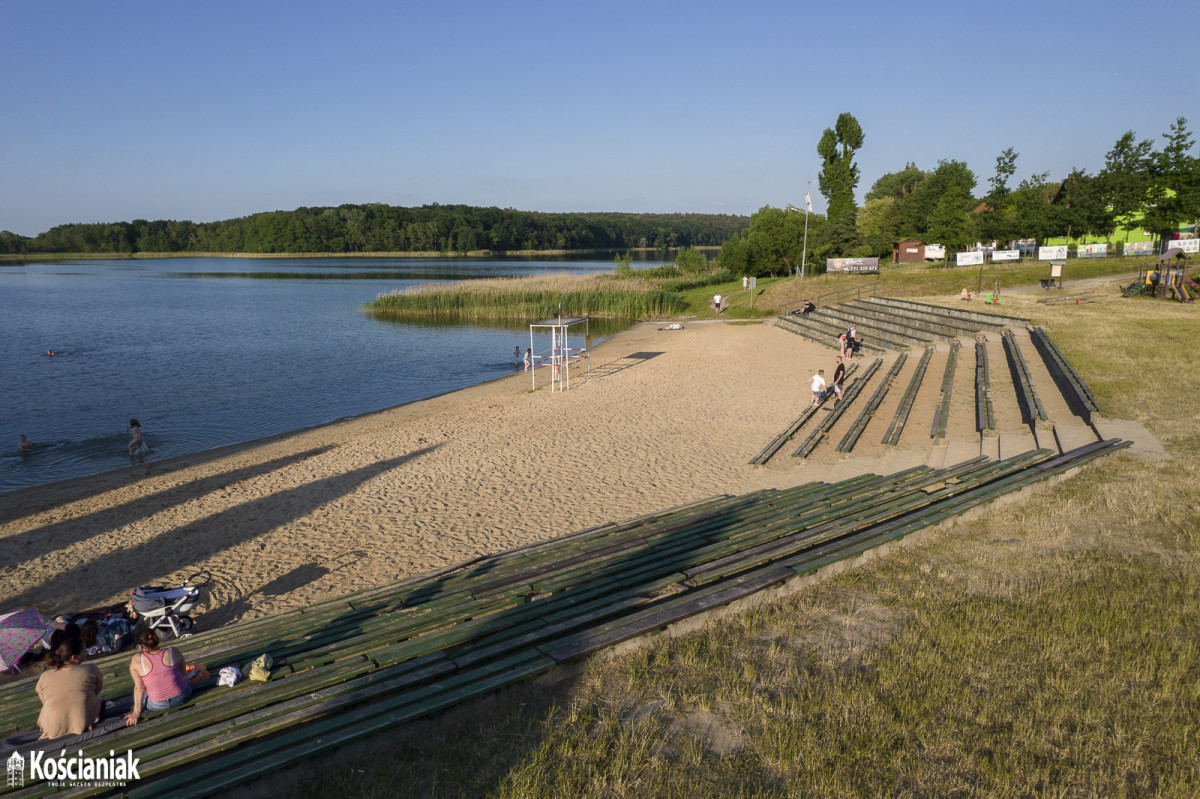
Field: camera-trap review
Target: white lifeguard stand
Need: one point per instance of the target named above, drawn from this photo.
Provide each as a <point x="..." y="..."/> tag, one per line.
<point x="560" y="354"/>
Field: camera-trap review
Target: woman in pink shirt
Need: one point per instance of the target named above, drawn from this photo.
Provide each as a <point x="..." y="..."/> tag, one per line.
<point x="159" y="678"/>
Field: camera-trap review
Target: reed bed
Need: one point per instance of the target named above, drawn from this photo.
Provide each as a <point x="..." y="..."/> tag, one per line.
<point x="528" y="298"/>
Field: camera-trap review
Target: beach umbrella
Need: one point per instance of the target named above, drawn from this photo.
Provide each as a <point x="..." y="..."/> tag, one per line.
<point x="18" y="632"/>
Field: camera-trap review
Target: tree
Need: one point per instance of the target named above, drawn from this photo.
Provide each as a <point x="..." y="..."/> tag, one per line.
<point x="949" y="222"/>
<point x="1174" y="183"/>
<point x="691" y="261"/>
<point x="897" y="185"/>
<point x="735" y="256"/>
<point x="1006" y="167"/>
<point x="1083" y="209"/>
<point x="775" y="241"/>
<point x="1033" y="207"/>
<point x="996" y="220"/>
<point x="878" y="226"/>
<point x="1124" y="181"/>
<point x="839" y="175"/>
<point x="953" y="177"/>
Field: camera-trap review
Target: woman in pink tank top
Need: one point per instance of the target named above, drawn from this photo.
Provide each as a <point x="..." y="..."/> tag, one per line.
<point x="159" y="679"/>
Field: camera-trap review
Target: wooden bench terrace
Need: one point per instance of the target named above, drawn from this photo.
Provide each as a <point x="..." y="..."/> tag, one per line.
<point x="946" y="326"/>
<point x="1074" y="390"/>
<point x="822" y="331"/>
<point x="880" y="326"/>
<point x="894" y="324"/>
<point x="1025" y="373"/>
<point x="355" y="666"/>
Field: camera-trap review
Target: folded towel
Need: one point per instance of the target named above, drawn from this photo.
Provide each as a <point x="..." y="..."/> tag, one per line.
<point x="229" y="676"/>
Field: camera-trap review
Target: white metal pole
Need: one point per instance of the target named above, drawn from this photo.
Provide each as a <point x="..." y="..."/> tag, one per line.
<point x="804" y="249"/>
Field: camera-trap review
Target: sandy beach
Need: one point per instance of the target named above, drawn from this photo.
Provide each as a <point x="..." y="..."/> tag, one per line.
<point x="663" y="418"/>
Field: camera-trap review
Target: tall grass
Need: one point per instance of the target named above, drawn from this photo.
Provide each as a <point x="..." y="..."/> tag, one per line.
<point x="529" y="298"/>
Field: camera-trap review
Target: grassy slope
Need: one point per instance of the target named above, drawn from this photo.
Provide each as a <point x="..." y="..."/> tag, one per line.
<point x="1048" y="648"/>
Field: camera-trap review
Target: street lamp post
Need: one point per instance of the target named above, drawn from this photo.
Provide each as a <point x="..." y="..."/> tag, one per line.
<point x="807" y="210"/>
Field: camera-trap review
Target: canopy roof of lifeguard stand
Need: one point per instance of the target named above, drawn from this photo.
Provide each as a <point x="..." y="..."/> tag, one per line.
<point x="559" y="321"/>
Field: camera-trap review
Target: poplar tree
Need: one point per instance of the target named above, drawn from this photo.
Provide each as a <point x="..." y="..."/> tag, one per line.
<point x="839" y="175"/>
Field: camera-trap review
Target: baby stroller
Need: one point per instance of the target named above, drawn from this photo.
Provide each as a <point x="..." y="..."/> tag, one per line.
<point x="166" y="609"/>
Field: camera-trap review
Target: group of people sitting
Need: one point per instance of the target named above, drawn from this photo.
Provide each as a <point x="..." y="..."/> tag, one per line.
<point x="70" y="687"/>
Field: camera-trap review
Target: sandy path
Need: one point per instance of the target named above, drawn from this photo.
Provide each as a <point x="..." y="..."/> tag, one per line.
<point x="664" y="418"/>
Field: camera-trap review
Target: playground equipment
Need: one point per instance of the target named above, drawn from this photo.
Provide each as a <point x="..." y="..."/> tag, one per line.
<point x="993" y="296"/>
<point x="561" y="353"/>
<point x="1164" y="279"/>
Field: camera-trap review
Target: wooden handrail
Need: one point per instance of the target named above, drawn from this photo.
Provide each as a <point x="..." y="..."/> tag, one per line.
<point x="858" y="293"/>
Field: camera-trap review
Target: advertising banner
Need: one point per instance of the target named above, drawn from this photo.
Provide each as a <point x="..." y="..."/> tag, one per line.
<point x="1139" y="248"/>
<point x="1006" y="255"/>
<point x="1046" y="253"/>
<point x="1092" y="251"/>
<point x="1191" y="246"/>
<point x="844" y="265"/>
<point x="973" y="258"/>
<point x="935" y="252"/>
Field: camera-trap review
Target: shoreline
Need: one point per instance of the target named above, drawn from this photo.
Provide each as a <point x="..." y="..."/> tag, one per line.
<point x="177" y="461"/>
<point x="115" y="256"/>
<point x="289" y="519"/>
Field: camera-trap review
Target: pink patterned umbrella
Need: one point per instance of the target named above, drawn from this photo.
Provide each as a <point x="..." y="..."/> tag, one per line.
<point x="18" y="632"/>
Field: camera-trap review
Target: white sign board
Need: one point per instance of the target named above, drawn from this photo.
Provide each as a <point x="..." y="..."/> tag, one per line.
<point x="1006" y="255"/>
<point x="1139" y="248"/>
<point x="1191" y="246"/>
<point x="1046" y="253"/>
<point x="973" y="258"/>
<point x="1092" y="251"/>
<point x="935" y="252"/>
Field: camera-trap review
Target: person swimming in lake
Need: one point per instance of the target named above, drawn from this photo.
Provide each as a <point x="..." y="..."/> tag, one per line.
<point x="135" y="433"/>
<point x="25" y="444"/>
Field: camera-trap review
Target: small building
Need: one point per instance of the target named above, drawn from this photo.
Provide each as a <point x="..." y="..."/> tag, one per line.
<point x="908" y="252"/>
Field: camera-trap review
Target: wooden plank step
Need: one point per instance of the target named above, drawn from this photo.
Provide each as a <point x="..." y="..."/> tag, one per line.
<point x="848" y="396"/>
<point x="896" y="428"/>
<point x="941" y="415"/>
<point x="860" y="424"/>
<point x="217" y="774"/>
<point x="660" y="616"/>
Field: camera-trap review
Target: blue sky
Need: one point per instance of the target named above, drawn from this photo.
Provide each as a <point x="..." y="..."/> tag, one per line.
<point x="205" y="111"/>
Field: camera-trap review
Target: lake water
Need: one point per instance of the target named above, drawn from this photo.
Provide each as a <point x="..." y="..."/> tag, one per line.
<point x="206" y="352"/>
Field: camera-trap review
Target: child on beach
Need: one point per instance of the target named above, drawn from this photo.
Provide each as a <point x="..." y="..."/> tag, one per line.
<point x="528" y="358"/>
<point x="818" y="387"/>
<point x="135" y="433"/>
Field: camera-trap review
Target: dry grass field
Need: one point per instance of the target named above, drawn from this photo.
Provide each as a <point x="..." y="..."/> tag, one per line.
<point x="1050" y="647"/>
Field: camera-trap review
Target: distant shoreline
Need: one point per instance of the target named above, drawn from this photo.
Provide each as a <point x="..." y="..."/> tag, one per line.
<point x="110" y="256"/>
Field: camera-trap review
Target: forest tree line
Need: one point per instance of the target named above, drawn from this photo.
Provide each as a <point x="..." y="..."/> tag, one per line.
<point x="385" y="228"/>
